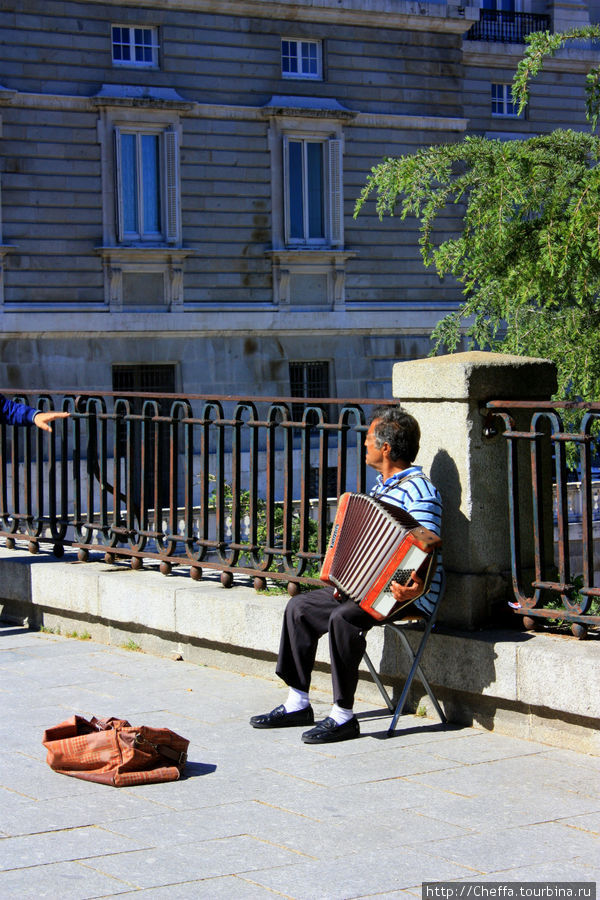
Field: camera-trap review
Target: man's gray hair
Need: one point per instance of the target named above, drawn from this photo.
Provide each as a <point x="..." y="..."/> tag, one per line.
<point x="396" y="427"/>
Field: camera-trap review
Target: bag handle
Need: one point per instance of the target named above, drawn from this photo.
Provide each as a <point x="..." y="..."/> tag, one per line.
<point x="180" y="758"/>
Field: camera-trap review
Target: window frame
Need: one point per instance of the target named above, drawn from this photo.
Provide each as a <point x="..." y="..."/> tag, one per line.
<point x="168" y="184"/>
<point x="303" y="391"/>
<point x="306" y="204"/>
<point x="298" y="42"/>
<point x="292" y="117"/>
<point x="139" y="187"/>
<point x="154" y="46"/>
<point x="124" y="256"/>
<point x="506" y="100"/>
<point x="331" y="212"/>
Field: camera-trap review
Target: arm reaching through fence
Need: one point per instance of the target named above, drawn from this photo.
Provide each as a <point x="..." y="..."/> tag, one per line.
<point x="15" y="413"/>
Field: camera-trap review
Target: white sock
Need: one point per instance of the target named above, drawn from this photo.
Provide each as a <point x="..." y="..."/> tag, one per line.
<point x="296" y="700"/>
<point x="340" y="715"/>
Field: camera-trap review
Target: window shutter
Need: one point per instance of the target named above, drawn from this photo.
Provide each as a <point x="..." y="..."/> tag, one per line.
<point x="336" y="212"/>
<point x="172" y="208"/>
<point x="118" y="186"/>
<point x="286" y="190"/>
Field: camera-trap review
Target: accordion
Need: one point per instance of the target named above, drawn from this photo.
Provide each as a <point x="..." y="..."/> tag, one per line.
<point x="373" y="543"/>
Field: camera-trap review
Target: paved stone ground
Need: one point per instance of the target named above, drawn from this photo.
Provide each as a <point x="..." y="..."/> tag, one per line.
<point x="260" y="814"/>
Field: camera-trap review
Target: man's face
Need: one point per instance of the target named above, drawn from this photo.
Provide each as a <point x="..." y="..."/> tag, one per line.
<point x="373" y="456"/>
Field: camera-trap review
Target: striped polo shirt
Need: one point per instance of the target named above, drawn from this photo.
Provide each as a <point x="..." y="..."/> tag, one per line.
<point x="415" y="493"/>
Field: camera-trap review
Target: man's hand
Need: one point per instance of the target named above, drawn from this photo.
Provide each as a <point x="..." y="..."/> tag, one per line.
<point x="403" y="593"/>
<point x="41" y="419"/>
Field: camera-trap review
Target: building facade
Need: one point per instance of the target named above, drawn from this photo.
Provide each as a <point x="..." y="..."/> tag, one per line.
<point x="178" y="181"/>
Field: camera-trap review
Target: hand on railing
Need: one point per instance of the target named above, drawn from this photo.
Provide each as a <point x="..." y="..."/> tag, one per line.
<point x="42" y="419"/>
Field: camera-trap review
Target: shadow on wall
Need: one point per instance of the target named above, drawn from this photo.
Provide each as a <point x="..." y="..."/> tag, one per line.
<point x="473" y="669"/>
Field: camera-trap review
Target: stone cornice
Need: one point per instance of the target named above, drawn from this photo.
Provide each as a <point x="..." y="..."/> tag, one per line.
<point x="414" y="15"/>
<point x="488" y="53"/>
<point x="140" y="96"/>
<point x="204" y="319"/>
<point x="247" y="113"/>
<point x="123" y="253"/>
<point x="311" y="107"/>
<point x="412" y="123"/>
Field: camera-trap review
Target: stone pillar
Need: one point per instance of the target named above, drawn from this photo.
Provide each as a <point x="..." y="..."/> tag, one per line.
<point x="446" y="394"/>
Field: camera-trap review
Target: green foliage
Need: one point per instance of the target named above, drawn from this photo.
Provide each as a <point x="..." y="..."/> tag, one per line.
<point x="313" y="567"/>
<point x="528" y="252"/>
<point x="542" y="44"/>
<point x="131" y="645"/>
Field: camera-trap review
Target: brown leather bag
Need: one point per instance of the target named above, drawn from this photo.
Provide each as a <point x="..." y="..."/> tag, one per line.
<point x="111" y="751"/>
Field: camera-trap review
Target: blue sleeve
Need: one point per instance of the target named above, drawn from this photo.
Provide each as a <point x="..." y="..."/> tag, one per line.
<point x="13" y="413"/>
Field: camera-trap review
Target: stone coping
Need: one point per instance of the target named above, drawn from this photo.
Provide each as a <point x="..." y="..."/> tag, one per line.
<point x="519" y="683"/>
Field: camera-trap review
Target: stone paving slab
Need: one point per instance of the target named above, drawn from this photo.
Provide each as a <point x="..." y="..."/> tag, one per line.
<point x="259" y="814"/>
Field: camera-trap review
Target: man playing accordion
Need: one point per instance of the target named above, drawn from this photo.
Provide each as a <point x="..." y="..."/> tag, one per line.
<point x="392" y="444"/>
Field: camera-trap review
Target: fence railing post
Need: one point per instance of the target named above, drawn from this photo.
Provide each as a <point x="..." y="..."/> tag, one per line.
<point x="446" y="394"/>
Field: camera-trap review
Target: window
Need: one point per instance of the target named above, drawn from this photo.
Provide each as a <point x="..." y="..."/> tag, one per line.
<point x="157" y="378"/>
<point x="502" y="5"/>
<point x="147" y="203"/>
<point x="306" y="197"/>
<point x="312" y="179"/>
<point x="306" y="138"/>
<point x="133" y="46"/>
<point x="141" y="247"/>
<point x="308" y="379"/>
<point x="311" y="379"/>
<point x="4" y="248"/>
<point x="301" y="59"/>
<point x="502" y="101"/>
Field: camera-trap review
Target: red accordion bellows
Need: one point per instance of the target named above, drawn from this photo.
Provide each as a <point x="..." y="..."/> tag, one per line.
<point x="373" y="543"/>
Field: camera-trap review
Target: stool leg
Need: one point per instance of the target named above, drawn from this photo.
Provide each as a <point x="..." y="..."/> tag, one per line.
<point x="414" y="669"/>
<point x="379" y="683"/>
<point x="421" y="674"/>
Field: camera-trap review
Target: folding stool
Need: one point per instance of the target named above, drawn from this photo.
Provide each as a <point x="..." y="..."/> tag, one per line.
<point x="399" y="627"/>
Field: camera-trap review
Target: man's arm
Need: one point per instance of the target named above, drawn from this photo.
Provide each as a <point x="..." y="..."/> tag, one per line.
<point x="14" y="413"/>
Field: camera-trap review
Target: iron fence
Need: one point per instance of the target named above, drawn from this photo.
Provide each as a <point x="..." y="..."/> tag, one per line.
<point x="233" y="484"/>
<point x="249" y="486"/>
<point x="563" y="551"/>
<point x="512" y="27"/>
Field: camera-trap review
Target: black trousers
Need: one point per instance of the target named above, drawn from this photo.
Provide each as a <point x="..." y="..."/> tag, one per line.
<point x="308" y="616"/>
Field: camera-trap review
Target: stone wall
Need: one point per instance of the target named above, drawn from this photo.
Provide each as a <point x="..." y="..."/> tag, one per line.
<point x="71" y="298"/>
<point x="505" y="680"/>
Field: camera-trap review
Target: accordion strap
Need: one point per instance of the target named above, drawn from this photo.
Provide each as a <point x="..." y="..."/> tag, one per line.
<point x="396" y="484"/>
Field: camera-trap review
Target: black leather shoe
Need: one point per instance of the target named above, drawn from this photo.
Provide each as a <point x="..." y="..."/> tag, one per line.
<point x="328" y="731"/>
<point x="279" y="718"/>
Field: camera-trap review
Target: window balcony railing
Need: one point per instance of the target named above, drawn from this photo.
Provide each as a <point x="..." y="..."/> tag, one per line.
<point x="506" y="27"/>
